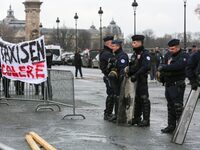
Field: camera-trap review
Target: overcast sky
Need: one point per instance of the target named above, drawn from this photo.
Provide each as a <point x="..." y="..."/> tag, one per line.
<point x="163" y="16"/>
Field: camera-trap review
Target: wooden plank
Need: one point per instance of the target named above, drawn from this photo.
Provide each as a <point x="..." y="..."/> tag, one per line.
<point x="33" y="145"/>
<point x="184" y="122"/>
<point x="41" y="141"/>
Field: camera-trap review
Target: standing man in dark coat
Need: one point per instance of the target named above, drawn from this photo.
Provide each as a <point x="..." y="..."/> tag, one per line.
<point x="138" y="70"/>
<point x="6" y="84"/>
<point x="78" y="64"/>
<point x="104" y="56"/>
<point x="49" y="57"/>
<point x="159" y="57"/>
<point x="153" y="64"/>
<point x="173" y="71"/>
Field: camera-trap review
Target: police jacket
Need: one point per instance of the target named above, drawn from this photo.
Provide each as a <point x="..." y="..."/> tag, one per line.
<point x="122" y="61"/>
<point x="174" y="67"/>
<point x="142" y="61"/>
<point x="104" y="57"/>
<point x="193" y="67"/>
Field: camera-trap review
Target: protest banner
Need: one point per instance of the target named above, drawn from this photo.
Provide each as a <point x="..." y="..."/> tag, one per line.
<point x="24" y="61"/>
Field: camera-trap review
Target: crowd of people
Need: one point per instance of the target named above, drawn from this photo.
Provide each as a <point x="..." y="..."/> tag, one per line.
<point x="170" y="69"/>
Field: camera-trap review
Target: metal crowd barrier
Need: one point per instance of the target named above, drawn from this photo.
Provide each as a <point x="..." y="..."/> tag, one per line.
<point x="57" y="91"/>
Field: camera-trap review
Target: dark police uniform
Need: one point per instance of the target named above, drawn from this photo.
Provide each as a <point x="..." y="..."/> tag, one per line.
<point x="173" y="71"/>
<point x="104" y="57"/>
<point x="138" y="70"/>
<point x="116" y="74"/>
<point x="193" y="70"/>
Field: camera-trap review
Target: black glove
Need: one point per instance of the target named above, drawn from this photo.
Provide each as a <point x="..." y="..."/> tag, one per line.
<point x="133" y="78"/>
<point x="194" y="85"/>
<point x="111" y="63"/>
<point x="113" y="75"/>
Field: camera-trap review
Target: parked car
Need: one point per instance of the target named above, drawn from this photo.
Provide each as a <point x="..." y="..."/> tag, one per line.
<point x="66" y="57"/>
<point x="56" y="51"/>
<point x="69" y="60"/>
<point x="95" y="62"/>
<point x="88" y="56"/>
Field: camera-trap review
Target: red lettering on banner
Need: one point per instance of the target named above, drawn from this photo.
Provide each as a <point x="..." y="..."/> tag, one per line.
<point x="29" y="71"/>
<point x="39" y="70"/>
<point x="14" y="73"/>
<point x="3" y="71"/>
<point x="22" y="69"/>
<point x="35" y="71"/>
<point x="8" y="70"/>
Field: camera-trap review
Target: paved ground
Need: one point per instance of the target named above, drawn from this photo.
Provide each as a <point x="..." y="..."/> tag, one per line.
<point x="92" y="133"/>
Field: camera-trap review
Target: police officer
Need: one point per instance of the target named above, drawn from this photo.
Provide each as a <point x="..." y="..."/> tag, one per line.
<point x="138" y="70"/>
<point x="173" y="71"/>
<point x="116" y="67"/>
<point x="104" y="57"/>
<point x="193" y="70"/>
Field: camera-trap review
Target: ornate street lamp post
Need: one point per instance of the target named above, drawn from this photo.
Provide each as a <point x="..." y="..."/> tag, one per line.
<point x="40" y="27"/>
<point x="134" y="4"/>
<point x="76" y="31"/>
<point x="58" y="37"/>
<point x="100" y="12"/>
<point x="185" y="36"/>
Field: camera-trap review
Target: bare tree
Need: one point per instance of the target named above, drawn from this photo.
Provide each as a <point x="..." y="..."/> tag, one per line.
<point x="66" y="38"/>
<point x="84" y="39"/>
<point x="149" y="37"/>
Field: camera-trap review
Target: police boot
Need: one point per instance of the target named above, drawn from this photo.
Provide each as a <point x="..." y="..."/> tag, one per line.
<point x="178" y="110"/>
<point x="146" y="113"/>
<point x="137" y="112"/>
<point x="109" y="108"/>
<point x="171" y="120"/>
<point x="114" y="117"/>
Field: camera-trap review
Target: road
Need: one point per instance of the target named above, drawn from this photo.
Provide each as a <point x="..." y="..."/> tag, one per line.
<point x="93" y="133"/>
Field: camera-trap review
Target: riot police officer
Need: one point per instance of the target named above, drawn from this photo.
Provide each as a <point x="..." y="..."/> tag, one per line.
<point x="116" y="67"/>
<point x="193" y="70"/>
<point x="104" y="57"/>
<point x="138" y="70"/>
<point x="173" y="71"/>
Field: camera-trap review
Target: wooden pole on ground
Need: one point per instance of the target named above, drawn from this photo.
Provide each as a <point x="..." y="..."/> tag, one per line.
<point x="31" y="142"/>
<point x="41" y="141"/>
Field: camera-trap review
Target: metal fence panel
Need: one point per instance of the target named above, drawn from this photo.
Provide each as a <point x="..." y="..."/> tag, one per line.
<point x="57" y="90"/>
<point x="62" y="86"/>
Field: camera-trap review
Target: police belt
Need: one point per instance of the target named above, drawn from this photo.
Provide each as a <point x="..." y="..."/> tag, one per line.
<point x="176" y="83"/>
